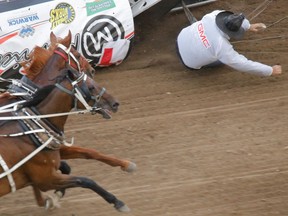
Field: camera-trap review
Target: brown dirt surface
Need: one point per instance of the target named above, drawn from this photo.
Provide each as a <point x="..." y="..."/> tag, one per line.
<point x="207" y="143"/>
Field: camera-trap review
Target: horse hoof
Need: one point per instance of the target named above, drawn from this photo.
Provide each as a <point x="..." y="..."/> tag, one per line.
<point x="121" y="207"/>
<point x="124" y="208"/>
<point x="131" y="168"/>
<point x="51" y="203"/>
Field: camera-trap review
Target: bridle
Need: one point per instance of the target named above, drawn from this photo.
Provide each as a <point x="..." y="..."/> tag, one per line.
<point x="68" y="56"/>
<point x="81" y="93"/>
<point x="26" y="88"/>
<point x="77" y="92"/>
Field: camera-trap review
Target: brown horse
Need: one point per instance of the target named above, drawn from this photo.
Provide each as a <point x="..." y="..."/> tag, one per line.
<point x="40" y="59"/>
<point x="38" y="70"/>
<point x="45" y="78"/>
<point x="40" y="171"/>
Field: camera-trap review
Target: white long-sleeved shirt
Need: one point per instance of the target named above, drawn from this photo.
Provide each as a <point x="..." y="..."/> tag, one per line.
<point x="203" y="43"/>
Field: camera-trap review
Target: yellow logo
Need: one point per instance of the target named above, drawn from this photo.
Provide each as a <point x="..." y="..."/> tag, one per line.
<point x="62" y="14"/>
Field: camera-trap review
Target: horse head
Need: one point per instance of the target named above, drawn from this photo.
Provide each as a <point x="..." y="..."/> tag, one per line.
<point x="94" y="95"/>
<point x="44" y="64"/>
<point x="73" y="90"/>
<point x="104" y="102"/>
<point x="84" y="65"/>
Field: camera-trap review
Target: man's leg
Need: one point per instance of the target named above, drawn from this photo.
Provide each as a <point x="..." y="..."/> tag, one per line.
<point x="213" y="64"/>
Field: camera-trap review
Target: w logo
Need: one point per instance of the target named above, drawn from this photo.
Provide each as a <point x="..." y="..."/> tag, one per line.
<point x="100" y="30"/>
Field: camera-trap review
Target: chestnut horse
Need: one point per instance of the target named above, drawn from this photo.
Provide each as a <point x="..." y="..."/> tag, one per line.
<point x="40" y="168"/>
<point x="42" y="75"/>
<point x="45" y="78"/>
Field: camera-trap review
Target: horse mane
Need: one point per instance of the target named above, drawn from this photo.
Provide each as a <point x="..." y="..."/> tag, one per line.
<point x="39" y="56"/>
<point x="37" y="60"/>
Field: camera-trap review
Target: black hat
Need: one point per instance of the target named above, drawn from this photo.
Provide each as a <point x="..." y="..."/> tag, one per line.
<point x="230" y="24"/>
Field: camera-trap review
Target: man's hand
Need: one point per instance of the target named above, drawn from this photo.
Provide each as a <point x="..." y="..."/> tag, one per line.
<point x="277" y="69"/>
<point x="257" y="27"/>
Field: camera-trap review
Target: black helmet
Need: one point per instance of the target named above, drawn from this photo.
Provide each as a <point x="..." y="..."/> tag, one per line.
<point x="231" y="24"/>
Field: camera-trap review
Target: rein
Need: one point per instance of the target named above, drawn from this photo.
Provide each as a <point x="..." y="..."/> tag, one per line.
<point x="12" y="118"/>
<point x="257" y="11"/>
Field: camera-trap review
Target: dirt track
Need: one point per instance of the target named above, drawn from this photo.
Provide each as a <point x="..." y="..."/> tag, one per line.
<point x="207" y="143"/>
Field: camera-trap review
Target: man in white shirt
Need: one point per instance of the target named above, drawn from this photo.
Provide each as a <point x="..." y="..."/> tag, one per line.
<point x="206" y="42"/>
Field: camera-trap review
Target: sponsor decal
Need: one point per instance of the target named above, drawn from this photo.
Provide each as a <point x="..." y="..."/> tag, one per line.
<point x="26" y="31"/>
<point x="63" y="13"/>
<point x="98" y="6"/>
<point x="14" y="33"/>
<point x="23" y="20"/>
<point x="99" y="30"/>
<point x="7" y="58"/>
<point x="7" y="37"/>
<point x="14" y="58"/>
<point x="201" y="32"/>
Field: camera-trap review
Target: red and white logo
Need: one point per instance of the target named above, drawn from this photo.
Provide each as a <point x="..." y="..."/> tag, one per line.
<point x="203" y="37"/>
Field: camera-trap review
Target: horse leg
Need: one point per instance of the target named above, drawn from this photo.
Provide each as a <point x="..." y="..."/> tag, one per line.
<point x="38" y="196"/>
<point x="65" y="169"/>
<point x="74" y="152"/>
<point x="52" y="201"/>
<point x="61" y="182"/>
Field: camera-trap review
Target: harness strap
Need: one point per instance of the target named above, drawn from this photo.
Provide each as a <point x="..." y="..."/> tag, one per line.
<point x="64" y="48"/>
<point x="100" y="94"/>
<point x="79" y="96"/>
<point x="64" y="89"/>
<point x="45" y="130"/>
<point x="29" y="88"/>
<point x="9" y="176"/>
<point x="18" y="86"/>
<point x="75" y="66"/>
<point x="14" y="105"/>
<point x="23" y="133"/>
<point x="28" y="157"/>
<point x="4" y="80"/>
<point x="62" y="55"/>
